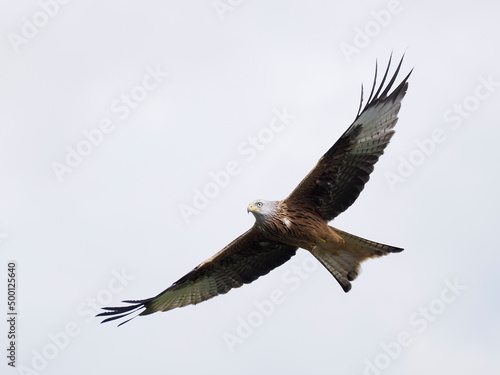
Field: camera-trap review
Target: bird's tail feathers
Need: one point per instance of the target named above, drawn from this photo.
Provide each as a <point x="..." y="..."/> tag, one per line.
<point x="343" y="261"/>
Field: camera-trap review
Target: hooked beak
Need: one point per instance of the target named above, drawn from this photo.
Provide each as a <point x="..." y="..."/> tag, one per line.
<point x="251" y="208"/>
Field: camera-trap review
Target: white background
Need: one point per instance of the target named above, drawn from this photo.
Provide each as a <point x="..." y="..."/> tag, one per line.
<point x="118" y="211"/>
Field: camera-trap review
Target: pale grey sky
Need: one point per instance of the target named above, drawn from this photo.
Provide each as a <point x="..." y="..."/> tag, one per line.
<point x="113" y="116"/>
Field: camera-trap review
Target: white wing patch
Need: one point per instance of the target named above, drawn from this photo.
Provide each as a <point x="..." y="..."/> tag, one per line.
<point x="287" y="222"/>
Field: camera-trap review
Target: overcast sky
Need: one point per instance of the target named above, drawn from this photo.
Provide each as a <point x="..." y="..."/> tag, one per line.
<point x="133" y="136"/>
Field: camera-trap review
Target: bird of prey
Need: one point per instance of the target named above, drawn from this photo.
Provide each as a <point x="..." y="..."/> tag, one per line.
<point x="301" y="219"/>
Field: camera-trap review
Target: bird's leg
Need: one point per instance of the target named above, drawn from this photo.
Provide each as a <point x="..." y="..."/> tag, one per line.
<point x="313" y="248"/>
<point x="336" y="238"/>
<point x="315" y="244"/>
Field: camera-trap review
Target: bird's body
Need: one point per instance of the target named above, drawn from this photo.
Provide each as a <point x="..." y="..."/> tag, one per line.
<point x="300" y="220"/>
<point x="279" y="224"/>
<point x="340" y="252"/>
<point x="293" y="227"/>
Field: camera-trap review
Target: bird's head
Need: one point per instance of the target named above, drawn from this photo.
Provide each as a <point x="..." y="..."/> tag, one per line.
<point x="262" y="208"/>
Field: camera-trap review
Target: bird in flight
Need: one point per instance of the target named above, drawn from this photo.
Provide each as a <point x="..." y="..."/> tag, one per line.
<point x="301" y="219"/>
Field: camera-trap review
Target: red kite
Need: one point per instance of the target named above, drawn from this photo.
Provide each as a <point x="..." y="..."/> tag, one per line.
<point x="301" y="219"/>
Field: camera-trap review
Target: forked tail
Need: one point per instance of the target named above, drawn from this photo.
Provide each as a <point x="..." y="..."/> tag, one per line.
<point x="343" y="261"/>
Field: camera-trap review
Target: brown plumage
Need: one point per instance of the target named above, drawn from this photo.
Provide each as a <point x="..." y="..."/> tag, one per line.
<point x="300" y="220"/>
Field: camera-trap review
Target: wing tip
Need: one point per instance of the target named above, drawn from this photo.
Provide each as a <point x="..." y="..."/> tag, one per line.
<point x="382" y="93"/>
<point x="114" y="313"/>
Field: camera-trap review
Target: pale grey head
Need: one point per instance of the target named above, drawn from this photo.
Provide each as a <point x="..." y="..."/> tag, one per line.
<point x="263" y="209"/>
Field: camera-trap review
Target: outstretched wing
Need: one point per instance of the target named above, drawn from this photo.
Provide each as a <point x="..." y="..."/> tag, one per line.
<point x="242" y="261"/>
<point x="341" y="174"/>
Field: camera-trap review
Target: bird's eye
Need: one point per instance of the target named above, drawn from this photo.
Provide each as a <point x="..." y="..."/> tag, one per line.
<point x="259" y="204"/>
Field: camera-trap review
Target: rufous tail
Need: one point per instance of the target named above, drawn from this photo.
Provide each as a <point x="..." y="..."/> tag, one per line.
<point x="343" y="261"/>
